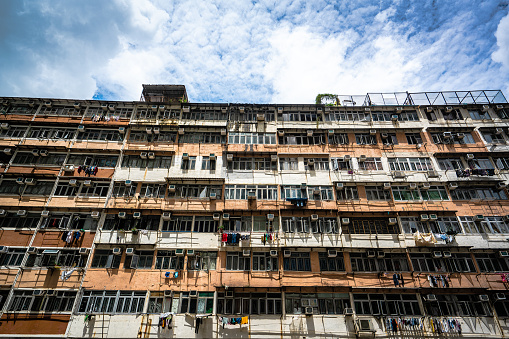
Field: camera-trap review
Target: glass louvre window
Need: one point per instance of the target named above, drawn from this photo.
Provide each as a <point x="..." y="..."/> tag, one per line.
<point x="320" y="164"/>
<point x="410" y="164"/>
<point x="249" y="303"/>
<point x="121" y="190"/>
<point x="202" y="138"/>
<point x="371" y="226"/>
<point x="292" y="192"/>
<point x="502" y="163"/>
<point x="168" y="260"/>
<point x="136" y="162"/>
<point x="320" y="193"/>
<point x="139" y="260"/>
<point x="112" y="302"/>
<point x="404" y="193"/>
<point x="413" y="138"/>
<point x="236" y="261"/>
<point x="378" y="193"/>
<point x="348" y="193"/>
<point x="450" y="164"/>
<point x="371" y="164"/>
<point x="480" y="193"/>
<point x="51" y="133"/>
<point x="205" y="225"/>
<point x="298" y="261"/>
<point x="457" y="305"/>
<point x="387" y="304"/>
<point x="288" y="164"/>
<point x="296" y="224"/>
<point x="104" y="258"/>
<point x="251" y="138"/>
<point x="178" y="224"/>
<point x="208" y="164"/>
<point x="100" y="135"/>
<point x="153" y="190"/>
<point x="202" y="191"/>
<point x="391" y="262"/>
<point x="339" y="164"/>
<point x="322" y="303"/>
<point x="324" y="225"/>
<point x="330" y="264"/>
<point x="467" y="138"/>
<point x="263" y="261"/>
<point x="238" y="224"/>
<point x="239" y="192"/>
<point x="25" y="301"/>
<point x="252" y="164"/>
<point x="204" y="303"/>
<point x="491" y="262"/>
<point x="338" y="139"/>
<point x="492" y="137"/>
<point x="203" y="261"/>
<point x="365" y="139"/>
<point x="302" y="139"/>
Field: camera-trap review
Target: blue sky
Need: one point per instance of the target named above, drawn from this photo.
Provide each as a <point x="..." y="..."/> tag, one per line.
<point x="281" y="51"/>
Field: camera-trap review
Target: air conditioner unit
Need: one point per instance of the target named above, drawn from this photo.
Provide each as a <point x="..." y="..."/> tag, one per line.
<point x="81" y="128"/>
<point x="3" y="213"/>
<point x="331" y="132"/>
<point x="380" y="254"/>
<point x="287" y="253"/>
<point x="371" y="254"/>
<point x="121" y="130"/>
<point x="281" y="133"/>
<point x="384" y="135"/>
<point x="362" y="158"/>
<point x="151" y="155"/>
<point x="35" y="152"/>
<point x="181" y="131"/>
<point x="38" y="292"/>
<point x="246" y="253"/>
<point x="483" y="297"/>
<point x="470" y="156"/>
<point x="76" y="105"/>
<point x="241" y="109"/>
<point x="251" y="195"/>
<point x="424" y="217"/>
<point x="479" y="217"/>
<point x="270" y="217"/>
<point x="273" y="158"/>
<point x="117" y="251"/>
<point x="273" y="253"/>
<point x="45" y="214"/>
<point x="69" y="168"/>
<point x="4" y="125"/>
<point x="216" y="216"/>
<point x="364" y="325"/>
<point x="309" y="133"/>
<point x="30" y="181"/>
<point x="31" y="103"/>
<point x="156" y="130"/>
<point x="4" y="249"/>
<point x="425" y="186"/>
<point x="347" y="157"/>
<point x="47" y="104"/>
<point x="137" y="215"/>
<point x="224" y="109"/>
<point x="501" y="185"/>
<point x="447" y="254"/>
<point x="168" y="293"/>
<point x="22" y="213"/>
<point x="128" y="183"/>
<point x="412" y="186"/>
<point x="340" y="185"/>
<point x="166" y="216"/>
<point x="308" y="311"/>
<point x="399" y="174"/>
<point x="154" y="108"/>
<point x="348" y="311"/>
<point x="20" y="181"/>
<point x="104" y="107"/>
<point x="437" y="254"/>
<point x="311" y="162"/>
<point x="84" y="251"/>
<point x="453" y="186"/>
<point x="95" y="214"/>
<point x="213" y="196"/>
<point x="448" y="109"/>
<point x="500" y="107"/>
<point x="193" y="293"/>
<point x="447" y="135"/>
<point x="316" y="191"/>
<point x="73" y="182"/>
<point x="111" y="107"/>
<point x="185" y="156"/>
<point x="226" y="216"/>
<point x="332" y="253"/>
<point x="433" y="217"/>
<point x="223" y="131"/>
<point x="367" y="109"/>
<point x="345" y="221"/>
<point x="503" y="254"/>
<point x="303" y="186"/>
<point x="179" y="252"/>
<point x="32" y="250"/>
<point x="500" y="296"/>
<point x="431" y="297"/>
<point x="506" y="217"/>
<point x="171" y="188"/>
<point x="8" y="151"/>
<point x="212" y="156"/>
<point x="229" y="157"/>
<point x="314" y="217"/>
<point x="190" y="253"/>
<point x="460" y="136"/>
<point x="129" y="251"/>
<point x="485" y="108"/>
<point x="280" y="109"/>
<point x="433" y="174"/>
<point x="372" y="131"/>
<point x="387" y="185"/>
<point x="148" y="130"/>
<point x="260" y="117"/>
<point x="143" y="155"/>
<point x="394" y="117"/>
<point x="393" y="221"/>
<point x="161" y="108"/>
<point x="122" y="215"/>
<point x="87" y="183"/>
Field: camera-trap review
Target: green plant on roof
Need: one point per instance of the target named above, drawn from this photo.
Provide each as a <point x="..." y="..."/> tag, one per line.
<point x="327" y="99"/>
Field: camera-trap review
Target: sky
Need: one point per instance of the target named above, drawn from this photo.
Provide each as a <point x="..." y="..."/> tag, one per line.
<point x="284" y="51"/>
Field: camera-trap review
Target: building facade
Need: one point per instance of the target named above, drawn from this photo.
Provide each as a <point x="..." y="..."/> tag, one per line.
<point x="385" y="216"/>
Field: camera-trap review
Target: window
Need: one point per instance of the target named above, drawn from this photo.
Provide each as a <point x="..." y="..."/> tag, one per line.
<point x="502" y="306"/>
<point x="460" y="262"/>
<point x="320" y="164"/>
<point x="371" y="226"/>
<point x="97" y="189"/>
<point x="121" y="190"/>
<point x="252" y="164"/>
<point x="348" y="193"/>
<point x="454" y="114"/>
<point x="306" y="115"/>
<point x="348" y="115"/>
<point x="298" y="261"/>
<point x="320" y="193"/>
<point x="203" y="261"/>
<point x="205" y="225"/>
<point x="389" y="139"/>
<point x="99" y="160"/>
<point x="404" y="193"/>
<point x="288" y="164"/>
<point x="10" y="187"/>
<point x="249" y="303"/>
<point x="13" y="257"/>
<point x="381" y="116"/>
<point x="178" y="224"/>
<point x="450" y="164"/>
<point x="386" y="304"/>
<point x="12" y="220"/>
<point x="70" y="221"/>
<point x="425" y="262"/>
<point x="201" y="191"/>
<point x="64" y="189"/>
<point x="127" y="302"/>
<point x="167" y="260"/>
<point x="239" y="192"/>
<point x="27" y="158"/>
<point x="481" y="193"/>
<point x="325" y="225"/>
<point x="413" y="138"/>
<point x="410" y="164"/>
<point x="263" y="261"/>
<point x="491" y="262"/>
<point x="365" y="139"/>
<point x="338" y="139"/>
<point x="476" y="114"/>
<point x="303" y="139"/>
<point x="137" y="162"/>
<point x="457" y="305"/>
<point x="100" y="134"/>
<point x="60" y="110"/>
<point x="480" y="163"/>
<point x="26" y="301"/>
<point x="322" y="303"/>
<point x="188" y="164"/>
<point x="408" y="116"/>
<point x="235" y="261"/>
<point x="139" y="260"/>
<point x="371" y="164"/>
<point x="204" y="303"/>
<point x="162" y="136"/>
<point x="105" y="259"/>
<point x="456" y="138"/>
<point x="295" y="224"/>
<point x="56" y="257"/>
<point x="502" y="163"/>
<point x="98" y="114"/>
<point x="391" y="262"/>
<point x="377" y="193"/>
<point x="329" y="264"/>
<point x="492" y="137"/>
<point x="251" y="138"/>
<point x="51" y="133"/>
<point x="202" y="138"/>
<point x="492" y="224"/>
<point x="13" y="132"/>
<point x="238" y="224"/>
<point x="339" y="164"/>
<point x="19" y="109"/>
<point x="293" y="192"/>
<point x="153" y="191"/>
<point x="208" y="164"/>
<point x="205" y="113"/>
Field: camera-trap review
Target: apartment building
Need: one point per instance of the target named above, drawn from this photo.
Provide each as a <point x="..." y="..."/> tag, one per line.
<point x="385" y="216"/>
